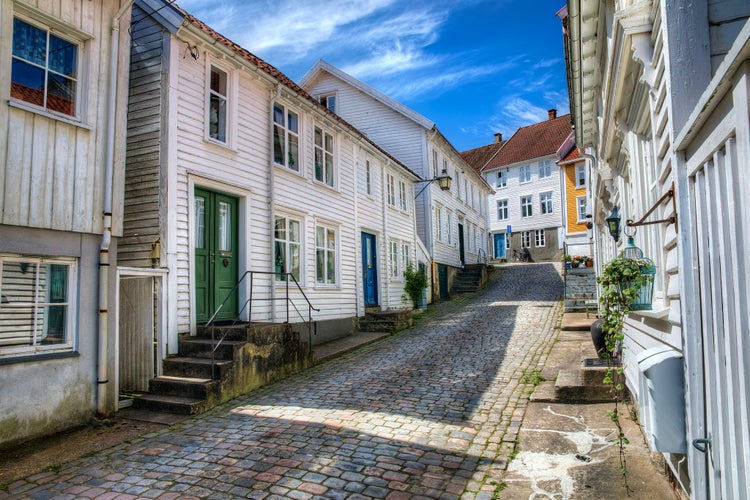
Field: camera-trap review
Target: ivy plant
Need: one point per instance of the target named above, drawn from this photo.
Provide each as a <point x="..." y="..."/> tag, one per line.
<point x="621" y="281"/>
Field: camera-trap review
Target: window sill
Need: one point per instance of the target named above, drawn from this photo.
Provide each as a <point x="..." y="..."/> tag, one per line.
<point x="286" y="169"/>
<point x="658" y="312"/>
<point x="30" y="358"/>
<point x="220" y="144"/>
<point x="52" y="116"/>
<point x="324" y="185"/>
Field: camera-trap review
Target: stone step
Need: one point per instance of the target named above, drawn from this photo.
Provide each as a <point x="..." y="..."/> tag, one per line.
<point x="171" y="404"/>
<point x="196" y="367"/>
<point x="192" y="387"/>
<point x="201" y="348"/>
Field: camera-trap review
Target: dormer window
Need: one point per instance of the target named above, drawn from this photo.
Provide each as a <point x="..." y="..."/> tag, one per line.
<point x="329" y="101"/>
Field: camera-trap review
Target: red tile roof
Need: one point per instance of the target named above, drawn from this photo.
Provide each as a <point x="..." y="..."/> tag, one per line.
<point x="533" y="141"/>
<point x="478" y="157"/>
<point x="286" y="81"/>
<point x="571" y="156"/>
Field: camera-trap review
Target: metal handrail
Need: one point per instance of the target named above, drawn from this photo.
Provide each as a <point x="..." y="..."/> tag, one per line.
<point x="249" y="304"/>
<point x="482" y="257"/>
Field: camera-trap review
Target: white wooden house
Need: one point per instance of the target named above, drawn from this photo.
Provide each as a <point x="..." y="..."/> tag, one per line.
<point x="452" y="225"/>
<point x="232" y="168"/>
<point x="64" y="72"/>
<point x="660" y="93"/>
<point x="526" y="207"/>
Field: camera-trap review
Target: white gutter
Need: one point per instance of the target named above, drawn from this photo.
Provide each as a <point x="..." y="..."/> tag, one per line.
<point x="102" y="375"/>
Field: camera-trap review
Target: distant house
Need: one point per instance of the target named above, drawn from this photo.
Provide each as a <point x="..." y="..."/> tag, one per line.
<point x="526" y="209"/>
<point x="659" y="94"/>
<point x="452" y="224"/>
<point x="235" y="171"/>
<point x="63" y="80"/>
<point x="573" y="183"/>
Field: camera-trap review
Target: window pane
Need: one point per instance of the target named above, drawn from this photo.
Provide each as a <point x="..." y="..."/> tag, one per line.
<point x="319" y="265"/>
<point x="225" y="230"/>
<point x="278" y="145"/>
<point x="318" y="164"/>
<point x="331" y="268"/>
<point x="294" y="231"/>
<point x="62" y="56"/>
<point x="294" y="260"/>
<point x="61" y="94"/>
<point x="279" y="231"/>
<point x="329" y="143"/>
<point x="29" y="42"/>
<point x="329" y="170"/>
<point x="279" y="259"/>
<point x="278" y="115"/>
<point x="293" y="160"/>
<point x="200" y="222"/>
<point x="293" y="122"/>
<point x="318" y="137"/>
<point x="331" y="239"/>
<point x="27" y="82"/>
<point x="218" y="81"/>
<point x="319" y="237"/>
<point x="217" y="118"/>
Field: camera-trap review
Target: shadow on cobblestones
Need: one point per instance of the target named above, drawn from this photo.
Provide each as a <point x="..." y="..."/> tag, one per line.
<point x="431" y="411"/>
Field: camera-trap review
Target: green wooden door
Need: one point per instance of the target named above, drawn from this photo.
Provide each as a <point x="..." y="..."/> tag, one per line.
<point x="215" y="251"/>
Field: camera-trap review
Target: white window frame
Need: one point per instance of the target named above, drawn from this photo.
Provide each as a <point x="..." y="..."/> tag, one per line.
<point x="368" y="177"/>
<point x="524" y="174"/>
<point x="457" y="180"/>
<point x="540" y="239"/>
<point x="581" y="209"/>
<point x="327" y="170"/>
<point x="525" y="239"/>
<point x="502" y="180"/>
<point x="403" y="200"/>
<point x="328" y="253"/>
<point x="434" y="163"/>
<point x="390" y="185"/>
<point x="8" y="304"/>
<point x="545" y="203"/>
<point x="393" y="260"/>
<point x="211" y="94"/>
<point x="581" y="176"/>
<point x="502" y="209"/>
<point x="449" y="221"/>
<point x="289" y="136"/>
<point x="289" y="244"/>
<point x="329" y="100"/>
<point x="527" y="204"/>
<point x="63" y="31"/>
<point x="439" y="224"/>
<point x="545" y="169"/>
<point x="405" y="258"/>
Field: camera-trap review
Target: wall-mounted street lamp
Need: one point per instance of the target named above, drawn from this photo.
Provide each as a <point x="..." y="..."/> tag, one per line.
<point x="613" y="223"/>
<point x="443" y="180"/>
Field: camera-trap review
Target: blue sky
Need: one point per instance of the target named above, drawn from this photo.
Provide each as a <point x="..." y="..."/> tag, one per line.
<point x="474" y="67"/>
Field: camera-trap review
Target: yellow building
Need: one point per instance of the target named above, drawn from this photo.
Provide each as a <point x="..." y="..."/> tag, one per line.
<point x="574" y="182"/>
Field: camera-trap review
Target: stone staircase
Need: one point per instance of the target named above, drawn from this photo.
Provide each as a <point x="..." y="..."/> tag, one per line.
<point x="249" y="357"/>
<point x="573" y="373"/>
<point x="376" y="320"/>
<point x="470" y="278"/>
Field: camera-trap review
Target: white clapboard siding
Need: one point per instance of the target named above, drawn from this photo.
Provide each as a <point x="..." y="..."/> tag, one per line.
<point x="53" y="169"/>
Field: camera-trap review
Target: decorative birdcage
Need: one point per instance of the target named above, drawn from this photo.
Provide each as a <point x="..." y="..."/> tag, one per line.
<point x="648" y="268"/>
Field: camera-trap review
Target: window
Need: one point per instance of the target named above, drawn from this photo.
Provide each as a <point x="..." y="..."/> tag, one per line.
<point x="524" y="174"/>
<point x="325" y="255"/>
<point x="449" y="229"/>
<point x="502" y="180"/>
<point x="539" y="238"/>
<point x="545" y="169"/>
<point x="329" y="101"/>
<point x="581" y="203"/>
<point x="285" y="137"/>
<point x="457" y="180"/>
<point x="403" y="200"/>
<point x="405" y="258"/>
<point x="368" y="177"/>
<point x="434" y="163"/>
<point x="502" y="209"/>
<point x="473" y="202"/>
<point x="580" y="176"/>
<point x="217" y="105"/>
<point x="393" y="259"/>
<point x="44" y="68"/>
<point x="390" y="183"/>
<point x="466" y="190"/>
<point x="323" y="156"/>
<point x="525" y="239"/>
<point x="287" y="241"/>
<point x="545" y="201"/>
<point x="526" y="206"/>
<point x="35" y="310"/>
<point x="439" y="223"/>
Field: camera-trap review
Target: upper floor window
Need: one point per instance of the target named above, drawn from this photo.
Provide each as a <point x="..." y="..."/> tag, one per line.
<point x="502" y="209"/>
<point x="439" y="223"/>
<point x="458" y="184"/>
<point x="368" y="177"/>
<point x="403" y="200"/>
<point x="524" y="174"/>
<point x="581" y="203"/>
<point x="323" y="156"/>
<point x="434" y="163"/>
<point x="38" y="295"/>
<point x="329" y="101"/>
<point x="545" y="202"/>
<point x="287" y="242"/>
<point x="526" y="202"/>
<point x="325" y="255"/>
<point x="580" y="175"/>
<point x="390" y="184"/>
<point x="502" y="180"/>
<point x="217" y="105"/>
<point x="545" y="169"/>
<point x="44" y="68"/>
<point x="285" y="137"/>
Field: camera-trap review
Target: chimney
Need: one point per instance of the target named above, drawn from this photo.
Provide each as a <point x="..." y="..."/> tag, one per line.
<point x="498" y="138"/>
<point x="552" y="114"/>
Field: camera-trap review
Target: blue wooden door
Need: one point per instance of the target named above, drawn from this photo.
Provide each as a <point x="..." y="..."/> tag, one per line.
<point x="499" y="245"/>
<point x="370" y="269"/>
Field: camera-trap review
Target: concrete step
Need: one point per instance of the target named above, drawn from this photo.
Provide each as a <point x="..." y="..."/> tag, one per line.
<point x="171" y="404"/>
<point x="192" y="387"/>
<point x="196" y="367"/>
<point x="201" y="348"/>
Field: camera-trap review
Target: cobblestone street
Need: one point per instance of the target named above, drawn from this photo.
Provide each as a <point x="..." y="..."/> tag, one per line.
<point x="431" y="412"/>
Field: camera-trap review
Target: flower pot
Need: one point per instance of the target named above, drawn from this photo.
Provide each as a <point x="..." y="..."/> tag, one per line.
<point x="589" y="263"/>
<point x="597" y="337"/>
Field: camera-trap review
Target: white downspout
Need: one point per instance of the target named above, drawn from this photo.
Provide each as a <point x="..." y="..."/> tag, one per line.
<point x="275" y="96"/>
<point x="102" y="365"/>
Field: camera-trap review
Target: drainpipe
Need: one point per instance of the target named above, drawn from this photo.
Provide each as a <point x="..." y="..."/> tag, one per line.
<point x="275" y="96"/>
<point x="102" y="368"/>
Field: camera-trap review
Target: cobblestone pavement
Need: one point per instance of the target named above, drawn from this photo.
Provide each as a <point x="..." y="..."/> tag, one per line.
<point x="432" y="412"/>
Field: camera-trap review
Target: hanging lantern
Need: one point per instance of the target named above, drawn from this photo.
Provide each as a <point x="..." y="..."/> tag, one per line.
<point x="648" y="268"/>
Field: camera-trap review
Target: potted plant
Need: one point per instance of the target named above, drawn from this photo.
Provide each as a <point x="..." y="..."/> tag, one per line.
<point x="567" y="260"/>
<point x="415" y="284"/>
<point x="589" y="262"/>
